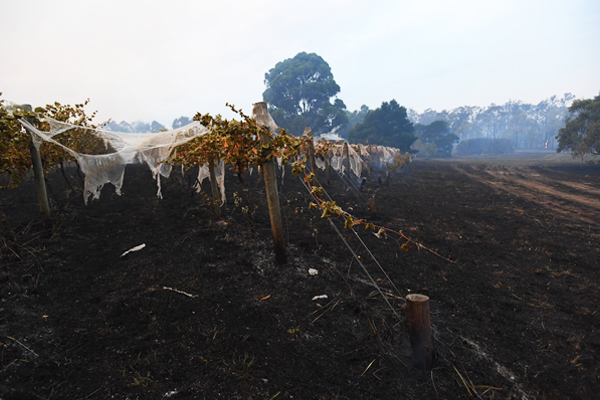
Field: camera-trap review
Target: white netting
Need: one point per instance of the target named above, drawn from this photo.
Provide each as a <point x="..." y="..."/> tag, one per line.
<point x="356" y="161"/>
<point x="362" y="150"/>
<point x="337" y="159"/>
<point x="155" y="148"/>
<point x="387" y="154"/>
<point x="99" y="170"/>
<point x="281" y="167"/>
<point x="382" y="154"/>
<point x="204" y="172"/>
<point x="261" y="115"/>
<point x="320" y="162"/>
<point x="152" y="149"/>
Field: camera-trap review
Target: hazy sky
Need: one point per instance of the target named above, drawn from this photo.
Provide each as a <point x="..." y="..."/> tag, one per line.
<point x="159" y="60"/>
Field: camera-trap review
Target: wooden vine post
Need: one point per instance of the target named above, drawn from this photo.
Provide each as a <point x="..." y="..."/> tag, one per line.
<point x="311" y="151"/>
<point x="40" y="183"/>
<point x="261" y="115"/>
<point x="372" y="208"/>
<point x="327" y="169"/>
<point x="216" y="195"/>
<point x="419" y="330"/>
<point x="347" y="157"/>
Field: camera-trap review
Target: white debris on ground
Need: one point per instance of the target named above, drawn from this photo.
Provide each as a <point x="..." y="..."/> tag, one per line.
<point x="136" y="248"/>
<point x="313" y="272"/>
<point x="322" y="296"/>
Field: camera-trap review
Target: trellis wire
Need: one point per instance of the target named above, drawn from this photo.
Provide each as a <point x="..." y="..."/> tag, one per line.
<point x="356" y="256"/>
<point x="366" y="248"/>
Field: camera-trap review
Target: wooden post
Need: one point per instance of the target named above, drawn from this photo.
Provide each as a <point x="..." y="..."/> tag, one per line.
<point x="347" y="156"/>
<point x="327" y="169"/>
<point x="370" y="161"/>
<point x="216" y="195"/>
<point x="375" y="159"/>
<point x="40" y="183"/>
<point x="311" y="151"/>
<point x="373" y="208"/>
<point x="419" y="329"/>
<point x="261" y="115"/>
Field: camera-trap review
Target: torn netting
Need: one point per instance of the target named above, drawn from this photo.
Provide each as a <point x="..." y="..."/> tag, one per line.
<point x="204" y="173"/>
<point x="153" y="149"/>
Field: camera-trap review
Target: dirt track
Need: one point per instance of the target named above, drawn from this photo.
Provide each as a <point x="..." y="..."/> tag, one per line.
<point x="573" y="200"/>
<point x="202" y="311"/>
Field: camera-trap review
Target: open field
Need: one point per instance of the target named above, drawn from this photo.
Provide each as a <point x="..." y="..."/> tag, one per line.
<point x="203" y="312"/>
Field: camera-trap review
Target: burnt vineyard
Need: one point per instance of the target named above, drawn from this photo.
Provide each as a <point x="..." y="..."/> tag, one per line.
<point x="204" y="312"/>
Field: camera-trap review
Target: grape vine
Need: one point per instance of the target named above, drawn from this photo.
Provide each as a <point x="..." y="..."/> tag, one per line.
<point x="15" y="142"/>
<point x="238" y="144"/>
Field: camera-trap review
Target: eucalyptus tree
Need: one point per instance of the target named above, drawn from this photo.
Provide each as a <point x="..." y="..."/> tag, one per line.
<point x="387" y="125"/>
<point x="581" y="134"/>
<point x="299" y="93"/>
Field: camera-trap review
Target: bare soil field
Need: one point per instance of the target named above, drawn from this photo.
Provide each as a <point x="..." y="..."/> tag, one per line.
<point x="203" y="312"/>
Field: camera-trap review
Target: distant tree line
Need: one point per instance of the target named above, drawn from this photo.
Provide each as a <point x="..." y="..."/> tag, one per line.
<point x="145" y="127"/>
<point x="134" y="127"/>
<point x="528" y="126"/>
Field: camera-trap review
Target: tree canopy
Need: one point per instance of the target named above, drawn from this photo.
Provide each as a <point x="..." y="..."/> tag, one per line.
<point x="354" y="118"/>
<point x="181" y="121"/>
<point x="438" y="134"/>
<point x="387" y="125"/>
<point x="581" y="134"/>
<point x="299" y="92"/>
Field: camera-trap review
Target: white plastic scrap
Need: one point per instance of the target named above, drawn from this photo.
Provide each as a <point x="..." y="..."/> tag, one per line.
<point x="312" y="271"/>
<point x="136" y="248"/>
<point x="323" y="296"/>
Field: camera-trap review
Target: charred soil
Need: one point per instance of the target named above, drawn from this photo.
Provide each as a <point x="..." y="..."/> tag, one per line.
<point x="203" y="311"/>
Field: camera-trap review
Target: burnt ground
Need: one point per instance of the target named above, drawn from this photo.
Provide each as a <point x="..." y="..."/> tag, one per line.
<point x="204" y="312"/>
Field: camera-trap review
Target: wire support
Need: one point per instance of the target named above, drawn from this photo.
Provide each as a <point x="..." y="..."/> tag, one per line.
<point x="344" y="178"/>
<point x="367" y="249"/>
<point x="364" y="268"/>
<point x="378" y="264"/>
<point x="419" y="245"/>
<point x="357" y="259"/>
<point x="351" y="185"/>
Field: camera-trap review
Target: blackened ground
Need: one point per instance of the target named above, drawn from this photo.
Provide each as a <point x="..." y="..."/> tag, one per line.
<point x="203" y="311"/>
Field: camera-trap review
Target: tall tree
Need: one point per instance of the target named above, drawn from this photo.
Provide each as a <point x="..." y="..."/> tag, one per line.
<point x="581" y="134"/>
<point x="387" y="126"/>
<point x="354" y="118"/>
<point x="299" y="92"/>
<point x="181" y="121"/>
<point x="437" y="133"/>
<point x="156" y="126"/>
